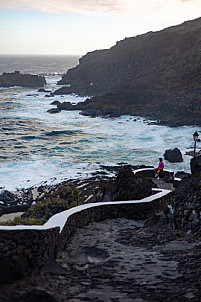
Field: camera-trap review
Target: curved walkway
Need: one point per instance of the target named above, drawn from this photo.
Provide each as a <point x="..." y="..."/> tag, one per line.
<point x="117" y="260"/>
<point x="54" y="235"/>
<point x="60" y="219"/>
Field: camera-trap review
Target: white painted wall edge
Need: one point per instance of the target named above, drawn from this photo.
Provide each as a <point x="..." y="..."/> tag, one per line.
<point x="60" y="219"/>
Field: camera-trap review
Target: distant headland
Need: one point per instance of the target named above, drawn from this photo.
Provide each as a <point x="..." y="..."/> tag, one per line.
<point x="155" y="75"/>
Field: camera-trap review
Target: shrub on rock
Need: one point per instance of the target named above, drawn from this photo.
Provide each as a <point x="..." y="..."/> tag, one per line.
<point x="64" y="197"/>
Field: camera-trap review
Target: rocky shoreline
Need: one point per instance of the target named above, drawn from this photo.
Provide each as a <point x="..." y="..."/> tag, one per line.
<point x="112" y="105"/>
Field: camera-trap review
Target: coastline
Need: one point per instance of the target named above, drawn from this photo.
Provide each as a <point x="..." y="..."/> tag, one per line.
<point x="114" y="105"/>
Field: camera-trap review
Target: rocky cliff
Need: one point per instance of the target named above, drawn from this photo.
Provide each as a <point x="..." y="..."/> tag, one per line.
<point x="155" y="75"/>
<point x="18" y="79"/>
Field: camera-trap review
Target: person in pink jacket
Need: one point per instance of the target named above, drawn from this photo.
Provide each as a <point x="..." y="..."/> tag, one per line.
<point x="159" y="168"/>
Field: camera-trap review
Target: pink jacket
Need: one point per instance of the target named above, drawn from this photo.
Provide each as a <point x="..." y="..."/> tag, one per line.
<point x="160" y="165"/>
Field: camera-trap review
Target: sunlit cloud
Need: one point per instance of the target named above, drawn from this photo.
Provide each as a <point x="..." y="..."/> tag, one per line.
<point x="61" y="6"/>
<point x="79" y="26"/>
<point x="135" y="8"/>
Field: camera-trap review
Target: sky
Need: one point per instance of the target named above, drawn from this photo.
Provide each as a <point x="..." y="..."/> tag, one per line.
<point x="75" y="27"/>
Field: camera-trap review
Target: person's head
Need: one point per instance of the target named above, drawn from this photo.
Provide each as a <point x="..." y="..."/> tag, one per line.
<point x="160" y="159"/>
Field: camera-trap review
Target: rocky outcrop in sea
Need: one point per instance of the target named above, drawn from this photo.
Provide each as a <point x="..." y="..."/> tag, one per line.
<point x="173" y="155"/>
<point x="24" y="80"/>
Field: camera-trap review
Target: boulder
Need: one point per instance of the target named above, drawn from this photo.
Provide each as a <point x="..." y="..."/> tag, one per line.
<point x="6" y="196"/>
<point x="55" y="103"/>
<point x="173" y="156"/>
<point x="196" y="164"/>
<point x="125" y="187"/>
<point x="53" y="110"/>
<point x="65" y="106"/>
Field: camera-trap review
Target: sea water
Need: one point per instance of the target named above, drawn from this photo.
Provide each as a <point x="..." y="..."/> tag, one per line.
<point x="42" y="148"/>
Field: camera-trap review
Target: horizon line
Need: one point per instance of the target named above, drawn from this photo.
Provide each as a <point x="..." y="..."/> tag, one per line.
<point x="38" y="54"/>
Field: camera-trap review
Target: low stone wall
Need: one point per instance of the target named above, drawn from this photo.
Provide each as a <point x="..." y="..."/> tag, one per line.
<point x="25" y="248"/>
<point x="165" y="174"/>
<point x="149" y="172"/>
<point x="136" y="211"/>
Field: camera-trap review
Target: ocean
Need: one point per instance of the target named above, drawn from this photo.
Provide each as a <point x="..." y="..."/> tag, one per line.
<point x="42" y="148"/>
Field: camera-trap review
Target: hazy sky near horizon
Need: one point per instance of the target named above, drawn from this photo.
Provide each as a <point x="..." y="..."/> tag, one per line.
<point x="80" y="26"/>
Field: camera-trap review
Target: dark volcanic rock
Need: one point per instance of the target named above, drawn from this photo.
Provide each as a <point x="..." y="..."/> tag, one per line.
<point x="18" y="79"/>
<point x="65" y="106"/>
<point x="63" y="90"/>
<point x="6" y="196"/>
<point x="156" y="75"/>
<point x="196" y="164"/>
<point x="56" y="103"/>
<point x="181" y="174"/>
<point x="173" y="156"/>
<point x="184" y="211"/>
<point x="43" y="90"/>
<point x="125" y="187"/>
<point x="128" y="186"/>
<point x="34" y="296"/>
<point x="53" y="110"/>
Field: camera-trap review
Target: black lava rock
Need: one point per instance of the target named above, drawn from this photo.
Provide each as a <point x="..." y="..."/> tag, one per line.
<point x="173" y="156"/>
<point x="184" y="210"/>
<point x="125" y="187"/>
<point x="196" y="164"/>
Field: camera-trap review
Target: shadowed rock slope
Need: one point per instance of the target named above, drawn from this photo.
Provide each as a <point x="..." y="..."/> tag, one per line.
<point x="156" y="75"/>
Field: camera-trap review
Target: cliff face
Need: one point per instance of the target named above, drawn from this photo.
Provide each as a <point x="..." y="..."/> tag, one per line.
<point x="168" y="59"/>
<point x="18" y="79"/>
<point x="155" y="74"/>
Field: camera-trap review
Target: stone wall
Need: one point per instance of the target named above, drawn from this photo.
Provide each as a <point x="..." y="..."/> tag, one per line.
<point x="23" y="250"/>
<point x="149" y="172"/>
<point x="138" y="211"/>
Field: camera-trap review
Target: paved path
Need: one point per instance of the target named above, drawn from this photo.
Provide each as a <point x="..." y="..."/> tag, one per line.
<point x="11" y="216"/>
<point x="162" y="184"/>
<point x="112" y="268"/>
<point x="117" y="261"/>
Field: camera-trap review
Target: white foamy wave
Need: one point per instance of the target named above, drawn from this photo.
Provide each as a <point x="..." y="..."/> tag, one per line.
<point x="18" y="175"/>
